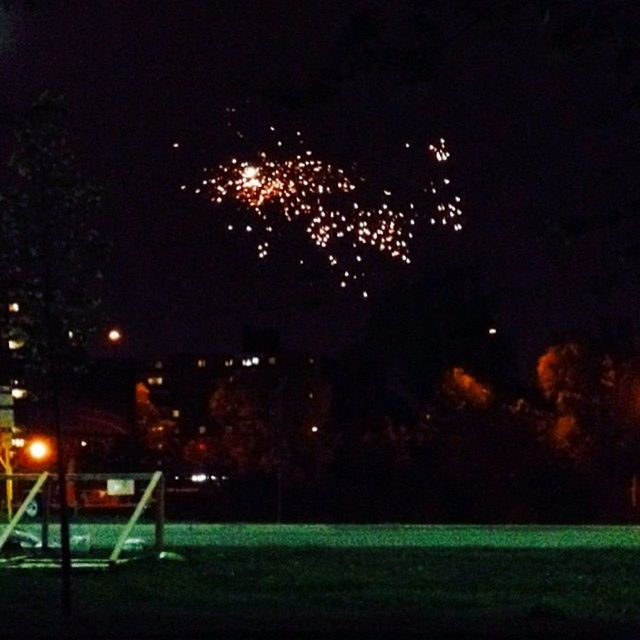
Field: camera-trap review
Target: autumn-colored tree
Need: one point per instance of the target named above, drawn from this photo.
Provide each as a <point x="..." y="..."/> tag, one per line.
<point x="156" y="432"/>
<point x="464" y="389"/>
<point x="581" y="385"/>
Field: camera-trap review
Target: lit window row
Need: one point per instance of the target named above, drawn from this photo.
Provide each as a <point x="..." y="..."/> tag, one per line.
<point x="155" y="381"/>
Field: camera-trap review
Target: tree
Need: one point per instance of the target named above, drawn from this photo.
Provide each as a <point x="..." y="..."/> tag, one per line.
<point x="51" y="258"/>
<point x="569" y="376"/>
<point x="463" y="388"/>
<point x="247" y="440"/>
<point x="273" y="427"/>
<point x="156" y="432"/>
<point x="50" y="268"/>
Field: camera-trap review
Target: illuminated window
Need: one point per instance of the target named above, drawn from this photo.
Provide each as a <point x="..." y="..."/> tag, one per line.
<point x="202" y="429"/>
<point x="17" y="442"/>
<point x="272" y="360"/>
<point x="19" y="393"/>
<point x="155" y="381"/>
<point x="14" y="307"/>
<point x="176" y="413"/>
<point x="311" y="361"/>
<point x="492" y="331"/>
<point x="202" y="364"/>
<point x="311" y="396"/>
<point x="16" y="344"/>
<point x="246" y="362"/>
<point x="255" y="360"/>
<point x="314" y="429"/>
<point x="158" y="365"/>
<point x="228" y="363"/>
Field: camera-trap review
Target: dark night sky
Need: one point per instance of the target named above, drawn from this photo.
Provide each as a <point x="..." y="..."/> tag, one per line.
<point x="524" y="126"/>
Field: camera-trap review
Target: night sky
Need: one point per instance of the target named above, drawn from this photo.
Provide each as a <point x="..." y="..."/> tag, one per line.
<point x="538" y="135"/>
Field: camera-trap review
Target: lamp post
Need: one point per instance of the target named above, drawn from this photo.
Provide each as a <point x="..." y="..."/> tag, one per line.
<point x="115" y="336"/>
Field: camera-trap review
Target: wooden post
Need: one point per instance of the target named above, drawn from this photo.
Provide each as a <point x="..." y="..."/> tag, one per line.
<point x="146" y="496"/>
<point x="46" y="511"/>
<point x="160" y="515"/>
<point x="8" y="530"/>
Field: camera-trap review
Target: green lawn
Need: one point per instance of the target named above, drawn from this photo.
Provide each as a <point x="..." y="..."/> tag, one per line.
<point x="240" y="590"/>
<point x="395" y="535"/>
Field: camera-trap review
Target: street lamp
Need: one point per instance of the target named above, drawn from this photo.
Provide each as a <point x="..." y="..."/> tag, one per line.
<point x="114" y="336"/>
<point x="38" y="450"/>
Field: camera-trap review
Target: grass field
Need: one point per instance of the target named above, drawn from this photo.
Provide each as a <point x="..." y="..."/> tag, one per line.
<point x="105" y="533"/>
<point x="263" y="581"/>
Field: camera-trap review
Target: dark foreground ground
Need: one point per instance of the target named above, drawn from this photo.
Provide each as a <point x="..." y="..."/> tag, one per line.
<point x="309" y="592"/>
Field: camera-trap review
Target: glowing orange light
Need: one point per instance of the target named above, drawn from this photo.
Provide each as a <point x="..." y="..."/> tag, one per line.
<point x="114" y="335"/>
<point x="38" y="449"/>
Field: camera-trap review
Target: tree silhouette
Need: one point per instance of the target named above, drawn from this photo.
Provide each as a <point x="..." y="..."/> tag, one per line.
<point x="50" y="268"/>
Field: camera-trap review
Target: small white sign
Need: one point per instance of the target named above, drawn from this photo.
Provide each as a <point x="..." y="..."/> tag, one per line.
<point x="120" y="487"/>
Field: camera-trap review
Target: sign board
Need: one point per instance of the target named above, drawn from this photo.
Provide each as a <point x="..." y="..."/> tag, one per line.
<point x="120" y="487"/>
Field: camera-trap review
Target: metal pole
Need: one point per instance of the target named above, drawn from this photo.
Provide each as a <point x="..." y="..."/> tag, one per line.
<point x="279" y="475"/>
<point x="62" y="494"/>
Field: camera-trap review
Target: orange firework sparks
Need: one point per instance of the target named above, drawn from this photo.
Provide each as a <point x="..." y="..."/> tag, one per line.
<point x="300" y="187"/>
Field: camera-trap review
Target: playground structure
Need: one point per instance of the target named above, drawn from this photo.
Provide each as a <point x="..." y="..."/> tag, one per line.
<point x="117" y="486"/>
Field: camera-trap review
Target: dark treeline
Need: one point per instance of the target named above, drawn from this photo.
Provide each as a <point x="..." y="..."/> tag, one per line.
<point x="424" y="420"/>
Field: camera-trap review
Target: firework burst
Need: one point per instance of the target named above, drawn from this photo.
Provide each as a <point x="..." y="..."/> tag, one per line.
<point x="331" y="206"/>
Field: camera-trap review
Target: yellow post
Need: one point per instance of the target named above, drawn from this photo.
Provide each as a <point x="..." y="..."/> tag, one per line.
<point x="5" y="461"/>
<point x="6" y="434"/>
